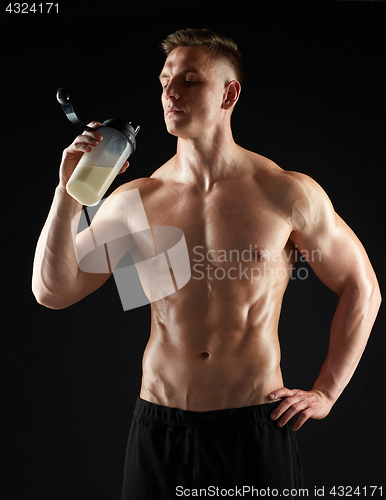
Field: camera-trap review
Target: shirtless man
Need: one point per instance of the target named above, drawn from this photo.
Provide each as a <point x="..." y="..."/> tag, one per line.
<point x="213" y="408"/>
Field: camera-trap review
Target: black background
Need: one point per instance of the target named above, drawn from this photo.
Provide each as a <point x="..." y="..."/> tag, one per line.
<point x="313" y="101"/>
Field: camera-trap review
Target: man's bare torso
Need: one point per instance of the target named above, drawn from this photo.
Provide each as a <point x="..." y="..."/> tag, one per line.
<point x="214" y="343"/>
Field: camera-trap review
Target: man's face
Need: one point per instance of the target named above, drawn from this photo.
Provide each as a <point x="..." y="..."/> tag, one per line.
<point x="194" y="85"/>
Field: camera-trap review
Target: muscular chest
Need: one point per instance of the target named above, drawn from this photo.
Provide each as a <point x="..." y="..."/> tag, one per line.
<point x="230" y="223"/>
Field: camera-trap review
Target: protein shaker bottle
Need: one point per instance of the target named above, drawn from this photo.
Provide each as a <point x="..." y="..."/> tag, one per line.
<point x="96" y="170"/>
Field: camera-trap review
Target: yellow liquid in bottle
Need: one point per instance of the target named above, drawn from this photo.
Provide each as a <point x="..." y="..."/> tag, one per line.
<point x="86" y="182"/>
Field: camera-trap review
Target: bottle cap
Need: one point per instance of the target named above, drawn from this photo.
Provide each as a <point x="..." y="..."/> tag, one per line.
<point x="129" y="129"/>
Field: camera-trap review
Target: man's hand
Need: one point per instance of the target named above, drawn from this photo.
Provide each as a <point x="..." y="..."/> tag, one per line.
<point x="310" y="404"/>
<point x="81" y="144"/>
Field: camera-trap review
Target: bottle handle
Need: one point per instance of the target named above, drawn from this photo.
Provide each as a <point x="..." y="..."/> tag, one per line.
<point x="64" y="100"/>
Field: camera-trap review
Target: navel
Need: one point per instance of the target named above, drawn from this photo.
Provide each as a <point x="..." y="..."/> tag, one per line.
<point x="205" y="355"/>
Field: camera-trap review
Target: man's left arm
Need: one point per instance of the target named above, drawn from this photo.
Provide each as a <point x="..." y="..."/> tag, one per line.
<point x="345" y="268"/>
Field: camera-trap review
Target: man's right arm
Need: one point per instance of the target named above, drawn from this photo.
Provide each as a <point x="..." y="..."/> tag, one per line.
<point x="57" y="281"/>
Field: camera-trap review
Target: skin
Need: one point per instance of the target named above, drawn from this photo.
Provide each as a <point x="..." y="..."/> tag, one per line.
<point x="214" y="343"/>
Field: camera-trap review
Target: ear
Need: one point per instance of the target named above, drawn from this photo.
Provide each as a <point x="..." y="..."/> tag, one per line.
<point x="231" y="94"/>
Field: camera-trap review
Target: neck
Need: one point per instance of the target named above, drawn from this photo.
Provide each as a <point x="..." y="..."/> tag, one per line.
<point x="207" y="159"/>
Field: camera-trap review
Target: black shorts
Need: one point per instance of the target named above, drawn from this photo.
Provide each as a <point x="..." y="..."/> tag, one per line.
<point x="171" y="452"/>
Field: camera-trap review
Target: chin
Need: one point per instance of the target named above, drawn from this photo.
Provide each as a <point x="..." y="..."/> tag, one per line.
<point x="177" y="131"/>
<point x="171" y="128"/>
<point x="184" y="130"/>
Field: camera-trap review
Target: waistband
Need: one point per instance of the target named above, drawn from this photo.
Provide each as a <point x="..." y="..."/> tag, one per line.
<point x="257" y="414"/>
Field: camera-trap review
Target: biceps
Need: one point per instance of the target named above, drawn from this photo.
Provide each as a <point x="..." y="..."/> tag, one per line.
<point x="335" y="254"/>
<point x="101" y="255"/>
<point x="96" y="259"/>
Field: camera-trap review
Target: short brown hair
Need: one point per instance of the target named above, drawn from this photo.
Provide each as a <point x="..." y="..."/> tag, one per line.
<point x="218" y="45"/>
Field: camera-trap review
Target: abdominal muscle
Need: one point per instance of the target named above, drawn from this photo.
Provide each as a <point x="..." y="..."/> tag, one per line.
<point x="214" y="346"/>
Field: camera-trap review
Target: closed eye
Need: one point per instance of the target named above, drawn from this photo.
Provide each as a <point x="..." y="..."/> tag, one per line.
<point x="187" y="82"/>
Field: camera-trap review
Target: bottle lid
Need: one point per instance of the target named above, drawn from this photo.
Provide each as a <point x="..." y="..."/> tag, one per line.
<point x="129" y="129"/>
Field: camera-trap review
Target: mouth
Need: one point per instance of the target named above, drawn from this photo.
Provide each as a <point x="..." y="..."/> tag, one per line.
<point x="173" y="111"/>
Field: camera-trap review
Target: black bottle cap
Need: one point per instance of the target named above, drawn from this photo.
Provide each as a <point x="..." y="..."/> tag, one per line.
<point x="129" y="129"/>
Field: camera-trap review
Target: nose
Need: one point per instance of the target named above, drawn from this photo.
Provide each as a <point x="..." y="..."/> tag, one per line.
<point x="171" y="90"/>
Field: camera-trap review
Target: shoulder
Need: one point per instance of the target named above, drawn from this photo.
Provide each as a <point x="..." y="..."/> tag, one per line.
<point x="308" y="202"/>
<point x="139" y="193"/>
<point x="148" y="185"/>
<point x="143" y="186"/>
<point x="126" y="198"/>
<point x="270" y="174"/>
<point x="298" y="197"/>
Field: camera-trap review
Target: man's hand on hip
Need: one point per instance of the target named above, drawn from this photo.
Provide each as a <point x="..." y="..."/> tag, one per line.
<point x="310" y="404"/>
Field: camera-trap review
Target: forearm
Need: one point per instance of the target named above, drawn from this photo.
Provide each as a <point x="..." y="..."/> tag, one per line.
<point x="55" y="267"/>
<point x="350" y="329"/>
